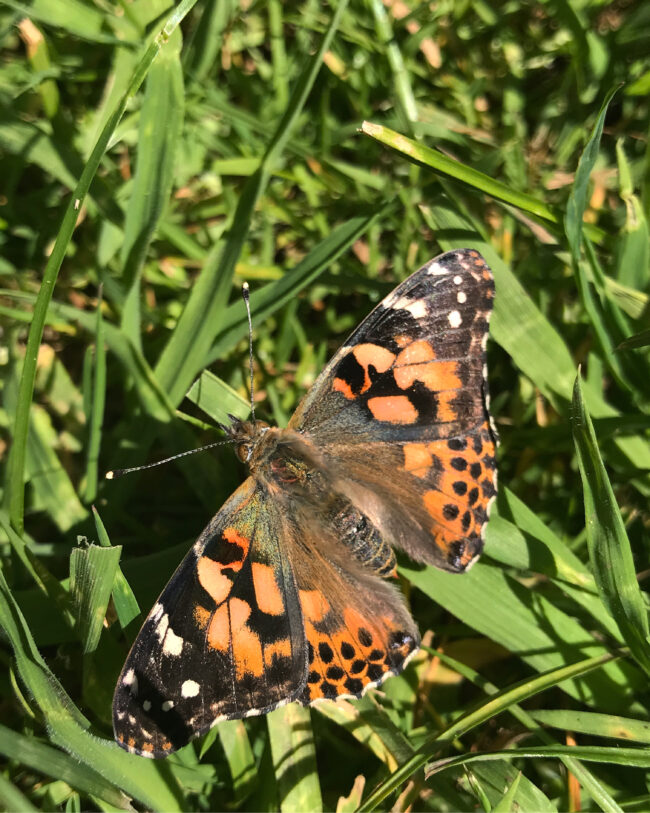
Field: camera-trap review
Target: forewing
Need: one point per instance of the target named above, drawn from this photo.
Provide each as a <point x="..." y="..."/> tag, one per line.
<point x="401" y="413"/>
<point x="224" y="640"/>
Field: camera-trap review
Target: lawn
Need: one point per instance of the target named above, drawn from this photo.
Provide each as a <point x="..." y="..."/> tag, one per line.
<point x="153" y="157"/>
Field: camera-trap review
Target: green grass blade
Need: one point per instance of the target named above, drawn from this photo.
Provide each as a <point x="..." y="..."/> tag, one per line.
<point x="592" y="785"/>
<point x="401" y="77"/>
<point x="49" y="761"/>
<point x="53" y="490"/>
<point x="508" y="801"/>
<point x="15" y="496"/>
<point x="11" y="798"/>
<point x="370" y="725"/>
<point x="432" y="159"/>
<point x="294" y="759"/>
<point x="595" y="724"/>
<point x="239" y="755"/>
<point x="496" y="704"/>
<point x="609" y="546"/>
<point x="499" y="607"/>
<point x="217" y="399"/>
<point x="97" y="403"/>
<point x="639" y="757"/>
<point x="126" y="604"/>
<point x="92" y="572"/>
<point x="524" y="542"/>
<point x="161" y="122"/>
<point x="274" y="295"/>
<point x="185" y="352"/>
<point x="577" y="202"/>
<point x="67" y="727"/>
<point x="48" y="584"/>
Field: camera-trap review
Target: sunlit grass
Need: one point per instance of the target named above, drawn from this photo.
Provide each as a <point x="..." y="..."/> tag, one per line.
<point x="147" y="170"/>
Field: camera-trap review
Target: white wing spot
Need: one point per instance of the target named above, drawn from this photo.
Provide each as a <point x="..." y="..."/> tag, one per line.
<point x="457" y="280"/>
<point x="131" y="719"/>
<point x="161" y="627"/>
<point x="167" y="705"/>
<point x="173" y="644"/>
<point x="190" y="688"/>
<point x="416" y="307"/>
<point x="437" y="269"/>
<point x="131" y="681"/>
<point x="455" y="319"/>
<point x="461" y="296"/>
<point x="146" y="705"/>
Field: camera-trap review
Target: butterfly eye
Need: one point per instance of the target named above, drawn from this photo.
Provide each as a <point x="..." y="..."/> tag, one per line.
<point x="244" y="451"/>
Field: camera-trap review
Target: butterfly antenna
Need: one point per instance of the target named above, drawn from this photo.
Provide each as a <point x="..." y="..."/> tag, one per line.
<point x="246" y="295"/>
<point x="115" y="473"/>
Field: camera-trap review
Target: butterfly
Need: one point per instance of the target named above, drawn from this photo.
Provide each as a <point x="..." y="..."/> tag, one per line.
<point x="287" y="594"/>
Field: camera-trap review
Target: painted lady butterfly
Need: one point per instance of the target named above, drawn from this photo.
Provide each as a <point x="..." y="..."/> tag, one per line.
<point x="284" y="595"/>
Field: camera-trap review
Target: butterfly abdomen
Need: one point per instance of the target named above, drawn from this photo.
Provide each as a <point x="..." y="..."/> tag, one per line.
<point x="362" y="539"/>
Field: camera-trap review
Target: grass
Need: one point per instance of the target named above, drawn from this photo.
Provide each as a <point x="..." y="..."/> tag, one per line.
<point x="152" y="158"/>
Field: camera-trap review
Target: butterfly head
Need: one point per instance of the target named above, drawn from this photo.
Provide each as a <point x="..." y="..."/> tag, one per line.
<point x="245" y="435"/>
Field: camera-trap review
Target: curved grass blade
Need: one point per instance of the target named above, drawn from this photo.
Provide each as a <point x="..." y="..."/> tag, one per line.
<point x="495" y="705"/>
<point x="609" y="546"/>
<point x="588" y="781"/>
<point x="638" y="757"/>
<point x="39" y="756"/>
<point x="15" y="496"/>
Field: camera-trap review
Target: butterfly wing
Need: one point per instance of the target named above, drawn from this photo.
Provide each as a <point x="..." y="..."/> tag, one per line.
<point x="357" y="627"/>
<point x="225" y="639"/>
<point x="401" y="413"/>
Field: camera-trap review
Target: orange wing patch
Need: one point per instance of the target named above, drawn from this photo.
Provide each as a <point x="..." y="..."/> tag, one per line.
<point x="462" y="475"/>
<point x="339" y="385"/>
<point x="268" y="595"/>
<point x="372" y="354"/>
<point x="393" y="409"/>
<point x="213" y="575"/>
<point x="348" y="651"/>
